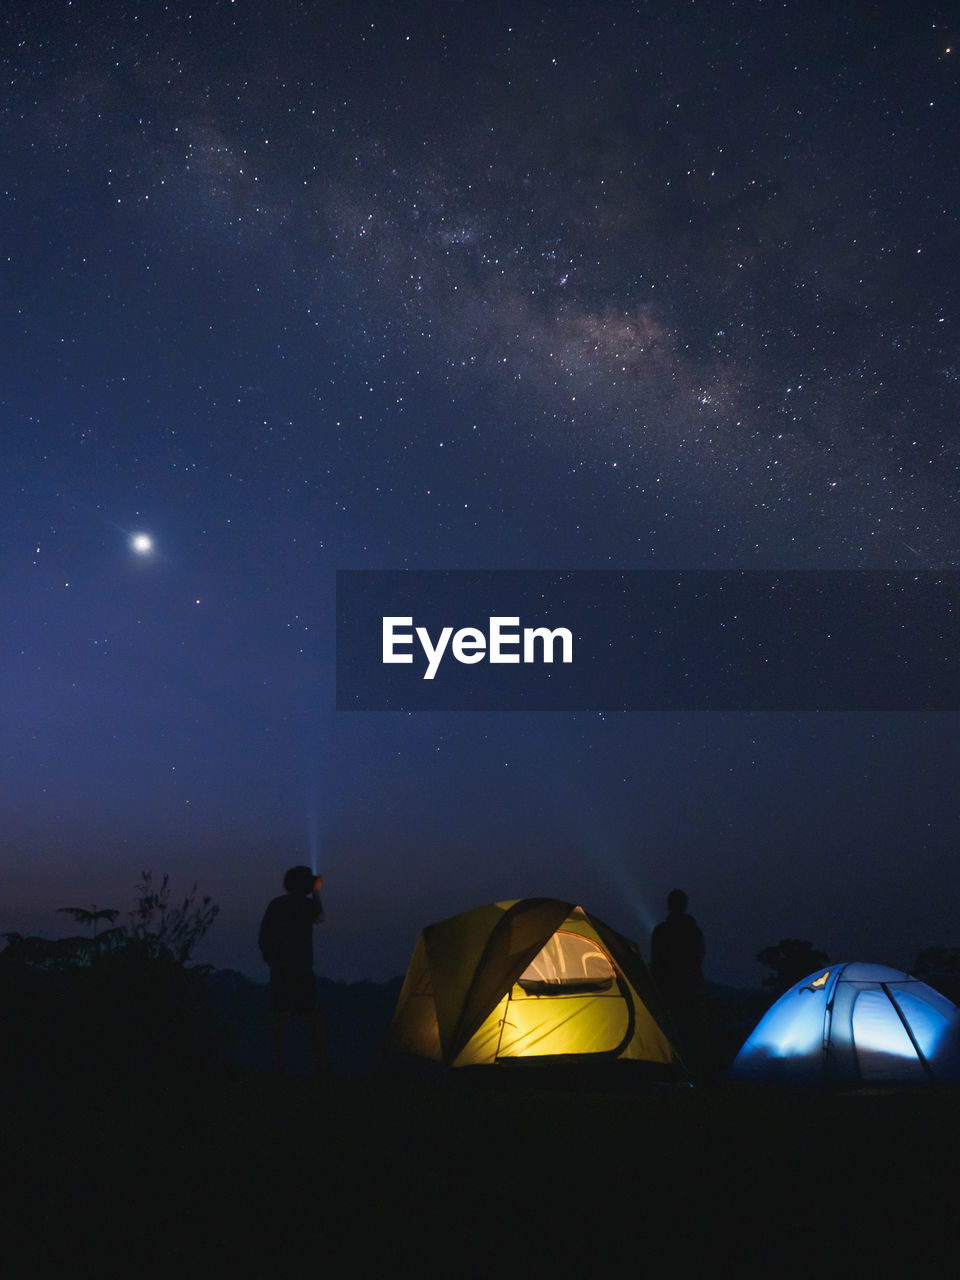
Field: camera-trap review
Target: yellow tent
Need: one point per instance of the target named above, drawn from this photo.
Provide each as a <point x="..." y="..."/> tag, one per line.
<point x="536" y="980"/>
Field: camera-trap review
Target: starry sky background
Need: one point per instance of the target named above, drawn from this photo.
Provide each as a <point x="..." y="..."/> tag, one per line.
<point x="318" y="286"/>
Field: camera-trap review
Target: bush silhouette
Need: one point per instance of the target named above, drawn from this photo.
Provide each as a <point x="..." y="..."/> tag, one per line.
<point x="118" y="1003"/>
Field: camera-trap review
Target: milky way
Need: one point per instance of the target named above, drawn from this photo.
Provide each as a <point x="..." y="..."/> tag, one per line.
<point x="425" y="286"/>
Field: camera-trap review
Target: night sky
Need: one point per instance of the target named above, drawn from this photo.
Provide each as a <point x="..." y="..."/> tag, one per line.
<point x="301" y="287"/>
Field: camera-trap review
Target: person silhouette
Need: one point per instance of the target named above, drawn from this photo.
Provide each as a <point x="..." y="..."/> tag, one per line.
<point x="677" y="952"/>
<point x="286" y="943"/>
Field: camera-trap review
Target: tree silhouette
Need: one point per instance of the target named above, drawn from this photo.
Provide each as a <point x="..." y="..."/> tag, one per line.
<point x="122" y="1000"/>
<point x="157" y="930"/>
<point x="940" y="968"/>
<point x="90" y="916"/>
<point x="82" y="949"/>
<point x="161" y="931"/>
<point x="791" y="960"/>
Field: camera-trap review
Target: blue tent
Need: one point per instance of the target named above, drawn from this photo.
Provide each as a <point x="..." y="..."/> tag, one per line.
<point x="854" y="1024"/>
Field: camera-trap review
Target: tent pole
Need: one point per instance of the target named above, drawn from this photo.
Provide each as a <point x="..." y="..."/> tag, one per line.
<point x="503" y="1023"/>
<point x="909" y="1030"/>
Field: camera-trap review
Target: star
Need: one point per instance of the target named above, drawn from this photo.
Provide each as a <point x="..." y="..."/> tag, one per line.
<point x="141" y="544"/>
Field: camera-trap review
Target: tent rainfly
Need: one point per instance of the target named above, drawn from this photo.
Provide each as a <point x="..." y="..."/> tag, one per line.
<point x="530" y="981"/>
<point x="854" y="1024"/>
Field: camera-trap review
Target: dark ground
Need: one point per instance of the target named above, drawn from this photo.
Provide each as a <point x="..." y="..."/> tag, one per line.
<point x="185" y="1171"/>
<point x="245" y="1170"/>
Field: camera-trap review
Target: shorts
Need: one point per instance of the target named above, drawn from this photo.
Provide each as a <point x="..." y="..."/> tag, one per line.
<point x="293" y="989"/>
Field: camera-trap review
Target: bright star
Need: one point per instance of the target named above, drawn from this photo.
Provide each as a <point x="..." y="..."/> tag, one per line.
<point x="141" y="543"/>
